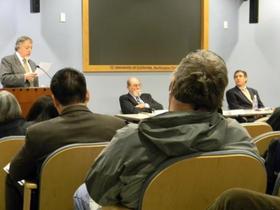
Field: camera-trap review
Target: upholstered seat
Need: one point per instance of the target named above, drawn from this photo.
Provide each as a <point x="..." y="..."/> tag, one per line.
<point x="61" y="174"/>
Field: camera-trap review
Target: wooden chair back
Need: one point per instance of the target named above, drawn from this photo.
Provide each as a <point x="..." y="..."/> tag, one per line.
<point x="257" y="128"/>
<point x="262" y="141"/>
<point x="9" y="146"/>
<point x="193" y="183"/>
<point x="61" y="174"/>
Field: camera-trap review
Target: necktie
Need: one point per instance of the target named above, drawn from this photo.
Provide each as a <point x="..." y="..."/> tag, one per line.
<point x="27" y="70"/>
<point x="138" y="99"/>
<point x="25" y="66"/>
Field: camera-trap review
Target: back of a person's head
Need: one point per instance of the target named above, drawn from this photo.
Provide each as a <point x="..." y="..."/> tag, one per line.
<point x="200" y="80"/>
<point x="42" y="109"/>
<point x="69" y="86"/>
<point x="9" y="107"/>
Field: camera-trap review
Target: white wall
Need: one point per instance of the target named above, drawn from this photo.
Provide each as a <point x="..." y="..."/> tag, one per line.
<point x="251" y="47"/>
<point x="61" y="44"/>
<point x="257" y="50"/>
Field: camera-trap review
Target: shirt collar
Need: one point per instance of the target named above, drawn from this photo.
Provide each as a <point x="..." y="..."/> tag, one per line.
<point x="133" y="95"/>
<point x="243" y="89"/>
<point x="21" y="58"/>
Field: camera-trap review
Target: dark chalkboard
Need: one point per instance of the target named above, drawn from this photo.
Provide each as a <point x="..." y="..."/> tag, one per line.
<point x="132" y="33"/>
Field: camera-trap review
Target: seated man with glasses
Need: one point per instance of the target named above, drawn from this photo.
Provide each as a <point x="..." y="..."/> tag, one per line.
<point x="134" y="101"/>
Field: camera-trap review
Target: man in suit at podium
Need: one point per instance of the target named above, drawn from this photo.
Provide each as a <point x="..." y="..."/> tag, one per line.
<point x="18" y="70"/>
<point x="134" y="102"/>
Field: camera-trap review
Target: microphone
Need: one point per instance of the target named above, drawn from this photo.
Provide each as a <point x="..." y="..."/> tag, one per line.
<point x="43" y="70"/>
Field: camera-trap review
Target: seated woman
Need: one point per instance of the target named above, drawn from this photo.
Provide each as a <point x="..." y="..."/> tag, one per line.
<point x="11" y="121"/>
<point x="42" y="109"/>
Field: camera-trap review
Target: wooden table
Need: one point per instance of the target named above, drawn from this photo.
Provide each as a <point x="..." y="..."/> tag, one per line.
<point x="226" y="113"/>
<point x="247" y="112"/>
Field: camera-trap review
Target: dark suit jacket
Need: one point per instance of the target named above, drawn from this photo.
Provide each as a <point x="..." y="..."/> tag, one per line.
<point x="237" y="100"/>
<point x="12" y="72"/>
<point x="76" y="124"/>
<point x="274" y="119"/>
<point x="16" y="127"/>
<point x="128" y="103"/>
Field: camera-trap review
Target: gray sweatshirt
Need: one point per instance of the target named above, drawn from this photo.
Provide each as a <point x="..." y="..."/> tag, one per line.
<point x="136" y="151"/>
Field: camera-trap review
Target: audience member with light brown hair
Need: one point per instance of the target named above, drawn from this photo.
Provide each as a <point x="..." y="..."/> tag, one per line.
<point x="192" y="125"/>
<point x="11" y="121"/>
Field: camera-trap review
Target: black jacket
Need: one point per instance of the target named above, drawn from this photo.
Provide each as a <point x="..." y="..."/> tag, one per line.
<point x="76" y="124"/>
<point x="237" y="100"/>
<point x="128" y="103"/>
<point x="16" y="127"/>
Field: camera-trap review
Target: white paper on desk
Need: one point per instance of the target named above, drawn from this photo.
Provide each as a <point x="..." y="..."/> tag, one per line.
<point x="45" y="66"/>
<point x="161" y="111"/>
<point x="7" y="168"/>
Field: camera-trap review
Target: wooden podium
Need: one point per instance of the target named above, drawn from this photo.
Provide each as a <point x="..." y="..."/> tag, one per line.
<point x="27" y="96"/>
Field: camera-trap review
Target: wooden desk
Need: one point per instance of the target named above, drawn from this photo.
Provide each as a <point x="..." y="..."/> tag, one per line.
<point x="27" y="96"/>
<point x="247" y="112"/>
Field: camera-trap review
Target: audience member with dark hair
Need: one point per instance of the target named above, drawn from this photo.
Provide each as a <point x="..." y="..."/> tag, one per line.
<point x="192" y="125"/>
<point x="241" y="96"/>
<point x="11" y="121"/>
<point x="242" y="199"/>
<point x="75" y="124"/>
<point x="42" y="109"/>
<point x="134" y="101"/>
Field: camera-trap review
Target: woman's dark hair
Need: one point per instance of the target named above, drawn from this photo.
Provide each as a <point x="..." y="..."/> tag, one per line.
<point x="42" y="109"/>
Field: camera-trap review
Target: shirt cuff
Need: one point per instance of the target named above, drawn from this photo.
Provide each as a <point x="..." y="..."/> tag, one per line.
<point x="147" y="105"/>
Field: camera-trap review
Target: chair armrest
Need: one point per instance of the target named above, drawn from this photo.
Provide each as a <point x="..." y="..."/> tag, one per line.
<point x="27" y="189"/>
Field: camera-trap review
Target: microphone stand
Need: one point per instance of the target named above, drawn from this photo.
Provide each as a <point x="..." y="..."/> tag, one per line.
<point x="43" y="70"/>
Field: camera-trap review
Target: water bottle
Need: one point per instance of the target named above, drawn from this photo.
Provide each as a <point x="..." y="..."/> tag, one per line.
<point x="255" y="102"/>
